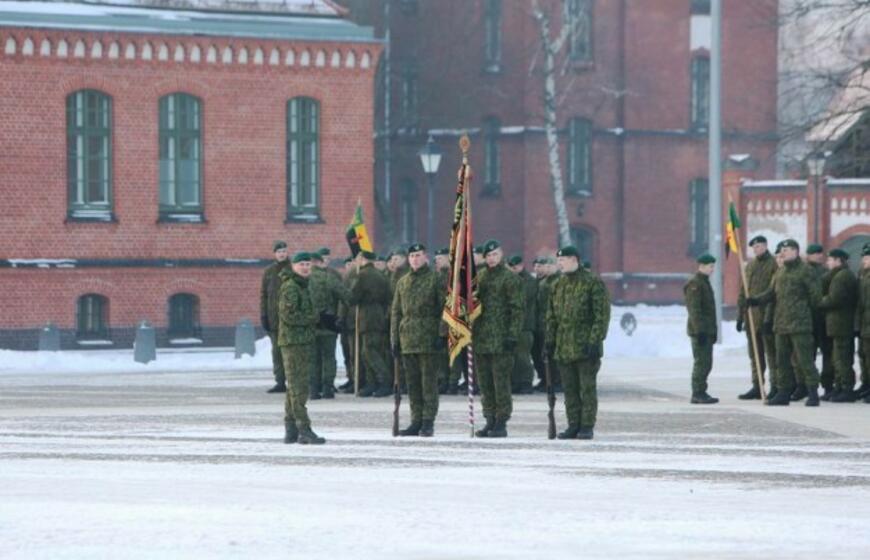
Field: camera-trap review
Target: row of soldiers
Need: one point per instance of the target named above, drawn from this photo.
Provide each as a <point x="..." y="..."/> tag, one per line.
<point x="556" y="318"/>
<point x="794" y="309"/>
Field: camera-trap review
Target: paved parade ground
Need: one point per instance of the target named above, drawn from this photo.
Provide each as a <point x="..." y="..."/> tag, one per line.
<point x="183" y="465"/>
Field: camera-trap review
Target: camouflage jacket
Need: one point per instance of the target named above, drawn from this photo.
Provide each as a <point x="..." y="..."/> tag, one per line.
<point x="578" y="314"/>
<point x="269" y="288"/>
<point x="346" y="311"/>
<point x="298" y="318"/>
<point x="501" y="318"/>
<point x="796" y="293"/>
<point x="545" y="286"/>
<point x="327" y="292"/>
<point x="415" y="322"/>
<point x="397" y="275"/>
<point x="530" y="301"/>
<point x="759" y="273"/>
<point x="701" y="306"/>
<point x="838" y="302"/>
<point x="863" y="315"/>
<point x="820" y="272"/>
<point x="370" y="290"/>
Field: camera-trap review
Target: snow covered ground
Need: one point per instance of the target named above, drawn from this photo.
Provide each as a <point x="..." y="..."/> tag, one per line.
<point x="190" y="464"/>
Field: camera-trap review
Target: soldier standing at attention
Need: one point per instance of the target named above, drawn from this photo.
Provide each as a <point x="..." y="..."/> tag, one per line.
<point x="370" y="290"/>
<point x="863" y="322"/>
<point x="524" y="372"/>
<point x="327" y="292"/>
<point x="298" y="320"/>
<point x="578" y="315"/>
<point x="495" y="334"/>
<point x="816" y="261"/>
<point x="838" y="303"/>
<point x="796" y="293"/>
<point x="417" y="338"/>
<point x="701" y="327"/>
<point x="269" y="287"/>
<point x="347" y="322"/>
<point x="442" y="269"/>
<point x="759" y="273"/>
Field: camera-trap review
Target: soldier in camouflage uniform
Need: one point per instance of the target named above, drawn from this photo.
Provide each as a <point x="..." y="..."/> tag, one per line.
<point x="862" y="320"/>
<point x="524" y="373"/>
<point x="370" y="290"/>
<point x="297" y="323"/>
<point x="796" y="293"/>
<point x="816" y="261"/>
<point x="759" y="273"/>
<point x="417" y="337"/>
<point x="496" y="334"/>
<point x="838" y="303"/>
<point x="578" y="315"/>
<point x="327" y="292"/>
<point x="547" y="273"/>
<point x="701" y="327"/>
<point x="269" y="311"/>
<point x="442" y="269"/>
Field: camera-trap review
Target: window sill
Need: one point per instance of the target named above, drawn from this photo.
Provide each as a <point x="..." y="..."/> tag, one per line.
<point x="582" y="193"/>
<point x="182" y="218"/>
<point x="582" y="64"/>
<point x="492" y="68"/>
<point x="491" y="191"/>
<point x="188" y="341"/>
<point x="304" y="219"/>
<point x="95" y="342"/>
<point x="91" y="216"/>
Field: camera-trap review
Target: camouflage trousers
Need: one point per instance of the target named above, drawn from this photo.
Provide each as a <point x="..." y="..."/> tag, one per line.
<point x="421" y="373"/>
<point x="580" y="383"/>
<point x="442" y="360"/>
<point x="843" y="358"/>
<point x="298" y="361"/>
<point x="493" y="373"/>
<point x="323" y="374"/>
<point x="825" y="345"/>
<point x="702" y="354"/>
<point x="795" y="363"/>
<point x="523" y="373"/>
<point x="373" y="359"/>
<point x="864" y="358"/>
<point x="766" y="355"/>
<point x="346" y="340"/>
<point x="277" y="360"/>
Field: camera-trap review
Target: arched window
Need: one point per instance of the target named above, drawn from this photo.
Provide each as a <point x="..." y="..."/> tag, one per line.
<point x="303" y="159"/>
<point x="492" y="36"/>
<point x="184" y="316"/>
<point x="580" y="35"/>
<point x="700" y="117"/>
<point x="92" y="317"/>
<point x="180" y="157"/>
<point x="579" y="156"/>
<point x="89" y="155"/>
<point x="491" y="157"/>
<point x="699" y="216"/>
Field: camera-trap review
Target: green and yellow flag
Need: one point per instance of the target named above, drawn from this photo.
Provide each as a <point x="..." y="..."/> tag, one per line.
<point x="730" y="229"/>
<point x="357" y="237"/>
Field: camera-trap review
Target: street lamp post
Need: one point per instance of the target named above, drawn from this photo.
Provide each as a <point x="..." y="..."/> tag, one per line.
<point x="816" y="166"/>
<point x="430" y="157"/>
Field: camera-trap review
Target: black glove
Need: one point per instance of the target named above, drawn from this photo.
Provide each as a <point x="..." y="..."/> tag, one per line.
<point x="752" y="302"/>
<point x="440" y="343"/>
<point x="592" y="352"/>
<point x="264" y="322"/>
<point x="510" y="344"/>
<point x="328" y="321"/>
<point x="702" y="339"/>
<point x="767" y="328"/>
<point x="396" y="350"/>
<point x="739" y="325"/>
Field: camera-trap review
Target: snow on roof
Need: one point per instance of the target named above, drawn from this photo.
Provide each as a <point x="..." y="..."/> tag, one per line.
<point x="845" y="110"/>
<point x="299" y="7"/>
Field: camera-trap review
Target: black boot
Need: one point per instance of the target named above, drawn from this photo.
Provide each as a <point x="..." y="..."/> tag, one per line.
<point x="313" y="396"/>
<point x="586" y="433"/>
<point x="829" y="394"/>
<point x="452" y="389"/>
<point x="752" y="394"/>
<point x="703" y="398"/>
<point x="291" y="434"/>
<point x="442" y="388"/>
<point x="499" y="430"/>
<point x="867" y="399"/>
<point x="812" y="397"/>
<point x="525" y="389"/>
<point x="541" y="386"/>
<point x="844" y="395"/>
<point x="347" y="388"/>
<point x="863" y="390"/>
<point x="367" y="391"/>
<point x="800" y="393"/>
<point x="412" y="430"/>
<point x="781" y="398"/>
<point x="383" y="391"/>
<point x="484" y="431"/>
<point x="570" y="432"/>
<point x="428" y="428"/>
<point x="278" y="388"/>
<point x="328" y="392"/>
<point x="306" y="436"/>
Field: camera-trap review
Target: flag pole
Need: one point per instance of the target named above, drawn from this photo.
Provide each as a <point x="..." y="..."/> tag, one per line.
<point x="464" y="145"/>
<point x="749" y="314"/>
<point x="356" y="331"/>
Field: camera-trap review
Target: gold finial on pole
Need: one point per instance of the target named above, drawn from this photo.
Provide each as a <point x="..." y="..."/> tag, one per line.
<point x="464" y="145"/>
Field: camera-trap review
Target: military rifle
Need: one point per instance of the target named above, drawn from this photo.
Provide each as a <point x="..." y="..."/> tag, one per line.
<point x="551" y="400"/>
<point x="397" y="396"/>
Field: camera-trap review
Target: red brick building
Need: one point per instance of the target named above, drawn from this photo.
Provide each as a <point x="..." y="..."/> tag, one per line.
<point x="149" y="157"/>
<point x="632" y="113"/>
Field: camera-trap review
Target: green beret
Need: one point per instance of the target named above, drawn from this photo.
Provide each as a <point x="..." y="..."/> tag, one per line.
<point x="791" y="243"/>
<point x="778" y="248"/>
<point x="382" y="258"/>
<point x="706" y="258"/>
<point x="515" y="260"/>
<point x="301" y="256"/>
<point x="865" y="251"/>
<point x="839" y="254"/>
<point x="315" y="256"/>
<point x="490" y="246"/>
<point x="568" y="251"/>
<point x="757" y="239"/>
<point x="478" y="249"/>
<point x="813" y="249"/>
<point x="443" y="251"/>
<point x="399" y="251"/>
<point x="324" y="251"/>
<point x="416" y="247"/>
<point x="278" y="245"/>
<point x="587" y="265"/>
<point x="368" y="255"/>
<point x="549" y="260"/>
